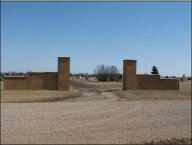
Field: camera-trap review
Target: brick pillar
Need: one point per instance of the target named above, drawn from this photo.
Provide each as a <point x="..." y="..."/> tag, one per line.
<point x="63" y="73"/>
<point x="129" y="75"/>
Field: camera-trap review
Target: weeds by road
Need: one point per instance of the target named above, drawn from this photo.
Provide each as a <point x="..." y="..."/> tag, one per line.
<point x="171" y="141"/>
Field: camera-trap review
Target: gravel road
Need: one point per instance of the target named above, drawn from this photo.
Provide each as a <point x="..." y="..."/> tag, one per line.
<point x="94" y="121"/>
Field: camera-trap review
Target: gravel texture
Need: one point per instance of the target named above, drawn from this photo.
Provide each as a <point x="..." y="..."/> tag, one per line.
<point x="103" y="119"/>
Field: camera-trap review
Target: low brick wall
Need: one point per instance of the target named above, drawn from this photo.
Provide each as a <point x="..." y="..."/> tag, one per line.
<point x="147" y="82"/>
<point x="153" y="82"/>
<point x="133" y="81"/>
<point x="2" y="85"/>
<point x="42" y="81"/>
<point x="168" y="84"/>
<point x="50" y="81"/>
<point x="15" y="83"/>
<point x="34" y="81"/>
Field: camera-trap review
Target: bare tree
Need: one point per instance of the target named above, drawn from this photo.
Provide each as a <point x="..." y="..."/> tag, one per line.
<point x="107" y="73"/>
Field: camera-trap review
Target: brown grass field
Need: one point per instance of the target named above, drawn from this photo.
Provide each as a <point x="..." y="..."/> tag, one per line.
<point x="32" y="96"/>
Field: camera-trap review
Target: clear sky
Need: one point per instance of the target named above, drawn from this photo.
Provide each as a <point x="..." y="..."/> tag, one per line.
<point x="34" y="34"/>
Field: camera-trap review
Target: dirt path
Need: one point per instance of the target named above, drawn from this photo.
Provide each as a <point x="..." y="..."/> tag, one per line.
<point x="94" y="121"/>
<point x="91" y="93"/>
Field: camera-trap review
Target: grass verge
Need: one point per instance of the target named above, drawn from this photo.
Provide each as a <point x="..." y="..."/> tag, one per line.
<point x="172" y="141"/>
<point x="37" y="96"/>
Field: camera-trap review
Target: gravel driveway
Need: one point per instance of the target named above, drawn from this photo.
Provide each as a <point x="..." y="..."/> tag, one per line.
<point x="97" y="121"/>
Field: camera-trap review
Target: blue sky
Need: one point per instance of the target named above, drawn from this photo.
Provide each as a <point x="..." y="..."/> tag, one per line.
<point x="34" y="34"/>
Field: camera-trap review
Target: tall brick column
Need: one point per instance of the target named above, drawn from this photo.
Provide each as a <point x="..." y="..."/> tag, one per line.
<point x="63" y="73"/>
<point x="129" y="75"/>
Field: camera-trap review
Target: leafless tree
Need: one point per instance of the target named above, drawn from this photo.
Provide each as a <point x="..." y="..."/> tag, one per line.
<point x="107" y="73"/>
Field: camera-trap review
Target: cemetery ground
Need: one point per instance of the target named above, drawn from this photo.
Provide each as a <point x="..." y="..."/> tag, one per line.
<point x="96" y="112"/>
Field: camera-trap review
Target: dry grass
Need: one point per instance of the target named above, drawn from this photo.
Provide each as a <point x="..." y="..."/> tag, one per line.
<point x="29" y="96"/>
<point x="184" y="93"/>
<point x="172" y="141"/>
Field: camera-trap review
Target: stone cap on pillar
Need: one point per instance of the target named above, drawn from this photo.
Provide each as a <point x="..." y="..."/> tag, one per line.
<point x="63" y="59"/>
<point x="131" y="60"/>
